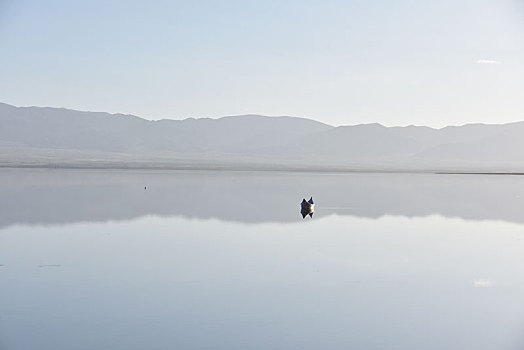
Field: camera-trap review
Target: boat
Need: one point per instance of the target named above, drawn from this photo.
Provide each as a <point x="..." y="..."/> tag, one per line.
<point x="307" y="207"/>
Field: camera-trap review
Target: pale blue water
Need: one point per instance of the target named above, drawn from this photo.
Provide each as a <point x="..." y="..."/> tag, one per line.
<point x="218" y="260"/>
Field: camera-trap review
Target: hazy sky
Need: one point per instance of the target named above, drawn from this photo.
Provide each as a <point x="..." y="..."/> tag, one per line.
<point x="342" y="62"/>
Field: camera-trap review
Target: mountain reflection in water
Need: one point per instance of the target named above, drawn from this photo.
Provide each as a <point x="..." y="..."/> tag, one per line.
<point x="35" y="196"/>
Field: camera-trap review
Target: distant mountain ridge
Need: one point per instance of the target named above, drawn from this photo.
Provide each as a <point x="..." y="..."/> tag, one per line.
<point x="68" y="129"/>
<point x="45" y="136"/>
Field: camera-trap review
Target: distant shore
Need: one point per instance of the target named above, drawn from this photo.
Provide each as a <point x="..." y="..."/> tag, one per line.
<point x="478" y="173"/>
<point x="247" y="167"/>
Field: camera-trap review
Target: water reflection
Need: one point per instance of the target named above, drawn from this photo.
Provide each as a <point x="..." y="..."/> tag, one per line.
<point x="204" y="279"/>
<point x="333" y="283"/>
<point x="32" y="196"/>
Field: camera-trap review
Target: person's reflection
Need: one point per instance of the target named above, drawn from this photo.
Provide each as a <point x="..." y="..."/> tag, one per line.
<point x="307" y="207"/>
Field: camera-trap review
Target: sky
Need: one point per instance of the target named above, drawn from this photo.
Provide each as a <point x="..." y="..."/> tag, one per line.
<point x="435" y="62"/>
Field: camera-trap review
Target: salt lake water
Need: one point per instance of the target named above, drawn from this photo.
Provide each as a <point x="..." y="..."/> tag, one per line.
<point x="110" y="259"/>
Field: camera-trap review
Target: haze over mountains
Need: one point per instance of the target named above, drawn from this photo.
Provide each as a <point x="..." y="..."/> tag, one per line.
<point x="37" y="136"/>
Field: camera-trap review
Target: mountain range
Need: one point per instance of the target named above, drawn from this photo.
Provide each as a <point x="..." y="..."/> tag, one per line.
<point x="57" y="137"/>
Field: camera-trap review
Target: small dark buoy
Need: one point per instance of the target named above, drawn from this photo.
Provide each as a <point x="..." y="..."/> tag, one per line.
<point x="144" y="187"/>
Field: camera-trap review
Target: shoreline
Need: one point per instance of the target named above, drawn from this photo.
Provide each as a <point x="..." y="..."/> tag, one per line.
<point x="252" y="168"/>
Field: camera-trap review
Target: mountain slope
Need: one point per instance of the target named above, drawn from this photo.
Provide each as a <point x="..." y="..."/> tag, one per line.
<point x="68" y="129"/>
<point x="47" y="135"/>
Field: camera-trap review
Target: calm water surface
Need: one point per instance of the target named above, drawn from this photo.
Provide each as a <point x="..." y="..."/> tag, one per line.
<point x="221" y="260"/>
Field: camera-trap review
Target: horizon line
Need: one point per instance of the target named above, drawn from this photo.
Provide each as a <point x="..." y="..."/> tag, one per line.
<point x="267" y="116"/>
